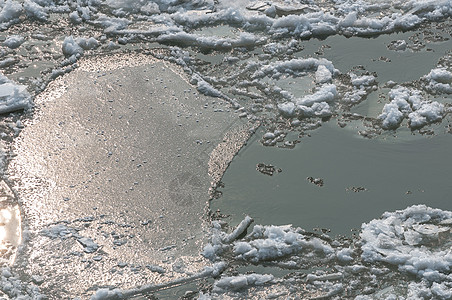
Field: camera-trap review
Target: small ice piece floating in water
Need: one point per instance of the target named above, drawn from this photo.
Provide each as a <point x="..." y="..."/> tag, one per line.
<point x="316" y="181"/>
<point x="267" y="169"/>
<point x="356" y="189"/>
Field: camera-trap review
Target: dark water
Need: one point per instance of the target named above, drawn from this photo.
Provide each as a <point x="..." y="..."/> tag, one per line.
<point x="395" y="173"/>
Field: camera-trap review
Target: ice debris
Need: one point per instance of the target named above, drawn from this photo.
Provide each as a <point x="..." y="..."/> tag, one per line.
<point x="235" y="283"/>
<point x="12" y="286"/>
<point x="314" y="105"/>
<point x="416" y="239"/>
<point x="77" y="46"/>
<point x="266" y="243"/>
<point x="13" y="96"/>
<point x="439" y="81"/>
<point x="89" y="246"/>
<point x="409" y="103"/>
<point x="14" y="41"/>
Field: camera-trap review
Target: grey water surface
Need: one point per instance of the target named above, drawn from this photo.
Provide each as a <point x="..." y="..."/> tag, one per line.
<point x="362" y="177"/>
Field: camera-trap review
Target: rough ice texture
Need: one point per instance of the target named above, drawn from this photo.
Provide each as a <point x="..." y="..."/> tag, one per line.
<point x="362" y="81"/>
<point x="314" y="105"/>
<point x="416" y="239"/>
<point x="409" y="103"/>
<point x="12" y="287"/>
<point x="70" y="47"/>
<point x="14" y="41"/>
<point x="323" y="75"/>
<point x="236" y="283"/>
<point x="35" y="11"/>
<point x="273" y="242"/>
<point x="188" y="39"/>
<point x="326" y="93"/>
<point x="294" y="67"/>
<point x="439" y="81"/>
<point x="13" y="96"/>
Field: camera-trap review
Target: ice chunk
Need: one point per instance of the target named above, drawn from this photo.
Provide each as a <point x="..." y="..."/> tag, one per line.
<point x="105" y="293"/>
<point x="70" y="47"/>
<point x="58" y="231"/>
<point x="327" y="93"/>
<point x="89" y="245"/>
<point x="13" y="41"/>
<point x="34" y="10"/>
<point x="287" y="109"/>
<point x="408" y="103"/>
<point x="440" y="75"/>
<point x="427" y="113"/>
<point x="365" y="80"/>
<point x="9" y="13"/>
<point x="204" y="87"/>
<point x="391" y="116"/>
<point x="235" y="283"/>
<point x="411" y="239"/>
<point x="320" y="110"/>
<point x="439" y="80"/>
<point x="87" y="43"/>
<point x="272" y="242"/>
<point x="295" y="67"/>
<point x="323" y="75"/>
<point x="13" y="96"/>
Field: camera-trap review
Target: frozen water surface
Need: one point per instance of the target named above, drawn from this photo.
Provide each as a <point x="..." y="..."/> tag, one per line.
<point x="120" y="118"/>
